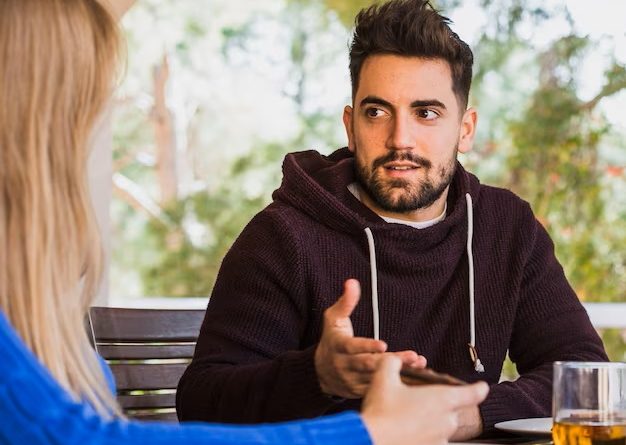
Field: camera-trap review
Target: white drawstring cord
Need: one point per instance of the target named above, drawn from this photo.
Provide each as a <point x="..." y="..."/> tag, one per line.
<point x="478" y="366"/>
<point x="372" y="249"/>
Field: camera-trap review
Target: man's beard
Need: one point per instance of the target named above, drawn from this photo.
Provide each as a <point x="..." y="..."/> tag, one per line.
<point x="417" y="195"/>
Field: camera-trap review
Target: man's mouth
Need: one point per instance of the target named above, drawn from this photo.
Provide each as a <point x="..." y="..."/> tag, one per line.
<point x="400" y="166"/>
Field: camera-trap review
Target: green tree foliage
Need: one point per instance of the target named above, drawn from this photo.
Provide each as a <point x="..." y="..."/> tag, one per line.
<point x="346" y="10"/>
<point x="559" y="151"/>
<point x="175" y="248"/>
<point x="556" y="165"/>
<point x="202" y="226"/>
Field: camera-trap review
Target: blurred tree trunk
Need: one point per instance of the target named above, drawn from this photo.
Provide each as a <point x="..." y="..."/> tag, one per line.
<point x="164" y="137"/>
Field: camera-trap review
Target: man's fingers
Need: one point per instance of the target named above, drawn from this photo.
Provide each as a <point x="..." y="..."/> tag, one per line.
<point x="347" y="302"/>
<point x="420" y="362"/>
<point x="364" y="364"/>
<point x="368" y="361"/>
<point x="411" y="358"/>
<point x="358" y="345"/>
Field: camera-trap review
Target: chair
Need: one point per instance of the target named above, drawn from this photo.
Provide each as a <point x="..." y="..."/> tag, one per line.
<point x="148" y="351"/>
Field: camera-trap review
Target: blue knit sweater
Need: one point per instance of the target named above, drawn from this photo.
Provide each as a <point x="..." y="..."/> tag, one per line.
<point x="36" y="410"/>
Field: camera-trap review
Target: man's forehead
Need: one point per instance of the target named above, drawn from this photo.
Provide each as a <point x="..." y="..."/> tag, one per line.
<point x="402" y="78"/>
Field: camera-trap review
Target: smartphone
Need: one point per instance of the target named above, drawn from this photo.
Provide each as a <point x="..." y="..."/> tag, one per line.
<point x="427" y="376"/>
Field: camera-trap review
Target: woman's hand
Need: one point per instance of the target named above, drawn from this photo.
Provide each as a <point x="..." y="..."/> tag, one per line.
<point x="423" y="415"/>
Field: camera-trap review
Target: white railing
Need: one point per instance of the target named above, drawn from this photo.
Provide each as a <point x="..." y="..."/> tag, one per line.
<point x="607" y="315"/>
<point x="602" y="315"/>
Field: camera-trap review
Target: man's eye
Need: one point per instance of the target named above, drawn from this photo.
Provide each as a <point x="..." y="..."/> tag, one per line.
<point x="427" y="114"/>
<point x="374" y="112"/>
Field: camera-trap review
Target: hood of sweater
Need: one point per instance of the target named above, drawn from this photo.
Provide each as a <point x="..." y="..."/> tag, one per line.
<point x="317" y="185"/>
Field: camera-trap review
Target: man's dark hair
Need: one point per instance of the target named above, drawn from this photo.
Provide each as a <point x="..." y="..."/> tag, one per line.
<point x="410" y="28"/>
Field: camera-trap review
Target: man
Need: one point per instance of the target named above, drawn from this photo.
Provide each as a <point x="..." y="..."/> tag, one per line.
<point x="452" y="271"/>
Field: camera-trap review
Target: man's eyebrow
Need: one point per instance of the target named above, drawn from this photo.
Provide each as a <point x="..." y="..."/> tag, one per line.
<point x="428" y="103"/>
<point x="375" y="100"/>
<point x="415" y="104"/>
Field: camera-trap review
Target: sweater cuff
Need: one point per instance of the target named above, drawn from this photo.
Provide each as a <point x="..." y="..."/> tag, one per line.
<point x="305" y="390"/>
<point x="346" y="428"/>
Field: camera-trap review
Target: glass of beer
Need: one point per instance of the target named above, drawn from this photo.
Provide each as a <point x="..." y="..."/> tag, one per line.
<point x="589" y="403"/>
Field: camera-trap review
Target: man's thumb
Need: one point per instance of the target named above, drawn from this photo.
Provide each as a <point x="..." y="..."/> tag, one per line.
<point x="347" y="302"/>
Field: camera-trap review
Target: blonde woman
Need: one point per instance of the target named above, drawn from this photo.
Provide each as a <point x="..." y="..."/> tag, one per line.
<point x="58" y="59"/>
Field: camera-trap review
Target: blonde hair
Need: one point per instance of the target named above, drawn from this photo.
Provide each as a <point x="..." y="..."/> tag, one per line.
<point x="59" y="58"/>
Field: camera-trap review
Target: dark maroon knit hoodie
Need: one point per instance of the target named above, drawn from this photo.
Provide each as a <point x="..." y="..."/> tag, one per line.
<point x="254" y="358"/>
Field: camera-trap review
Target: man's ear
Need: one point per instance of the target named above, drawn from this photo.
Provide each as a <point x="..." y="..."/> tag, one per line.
<point x="347" y="122"/>
<point x="467" y="130"/>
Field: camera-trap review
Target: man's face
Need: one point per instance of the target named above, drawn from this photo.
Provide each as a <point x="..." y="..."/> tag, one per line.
<point x="405" y="130"/>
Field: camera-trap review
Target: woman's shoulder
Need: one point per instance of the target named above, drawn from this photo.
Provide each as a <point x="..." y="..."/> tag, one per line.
<point x="12" y="349"/>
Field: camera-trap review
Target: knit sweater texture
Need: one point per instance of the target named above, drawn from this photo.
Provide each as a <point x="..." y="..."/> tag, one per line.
<point x="254" y="360"/>
<point x="35" y="410"/>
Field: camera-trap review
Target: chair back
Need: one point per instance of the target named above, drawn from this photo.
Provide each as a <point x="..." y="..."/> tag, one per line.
<point x="148" y="351"/>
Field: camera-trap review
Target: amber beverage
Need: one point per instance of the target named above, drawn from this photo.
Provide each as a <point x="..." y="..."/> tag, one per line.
<point x="589" y="403"/>
<point x="564" y="433"/>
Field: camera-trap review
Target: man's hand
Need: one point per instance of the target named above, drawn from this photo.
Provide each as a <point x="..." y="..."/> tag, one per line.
<point x="420" y="415"/>
<point x="344" y="363"/>
<point x="470" y="424"/>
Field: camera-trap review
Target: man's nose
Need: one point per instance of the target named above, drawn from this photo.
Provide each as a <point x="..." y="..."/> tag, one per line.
<point x="402" y="135"/>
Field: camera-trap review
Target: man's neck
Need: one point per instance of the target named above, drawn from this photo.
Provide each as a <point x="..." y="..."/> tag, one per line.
<point x="419" y="215"/>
